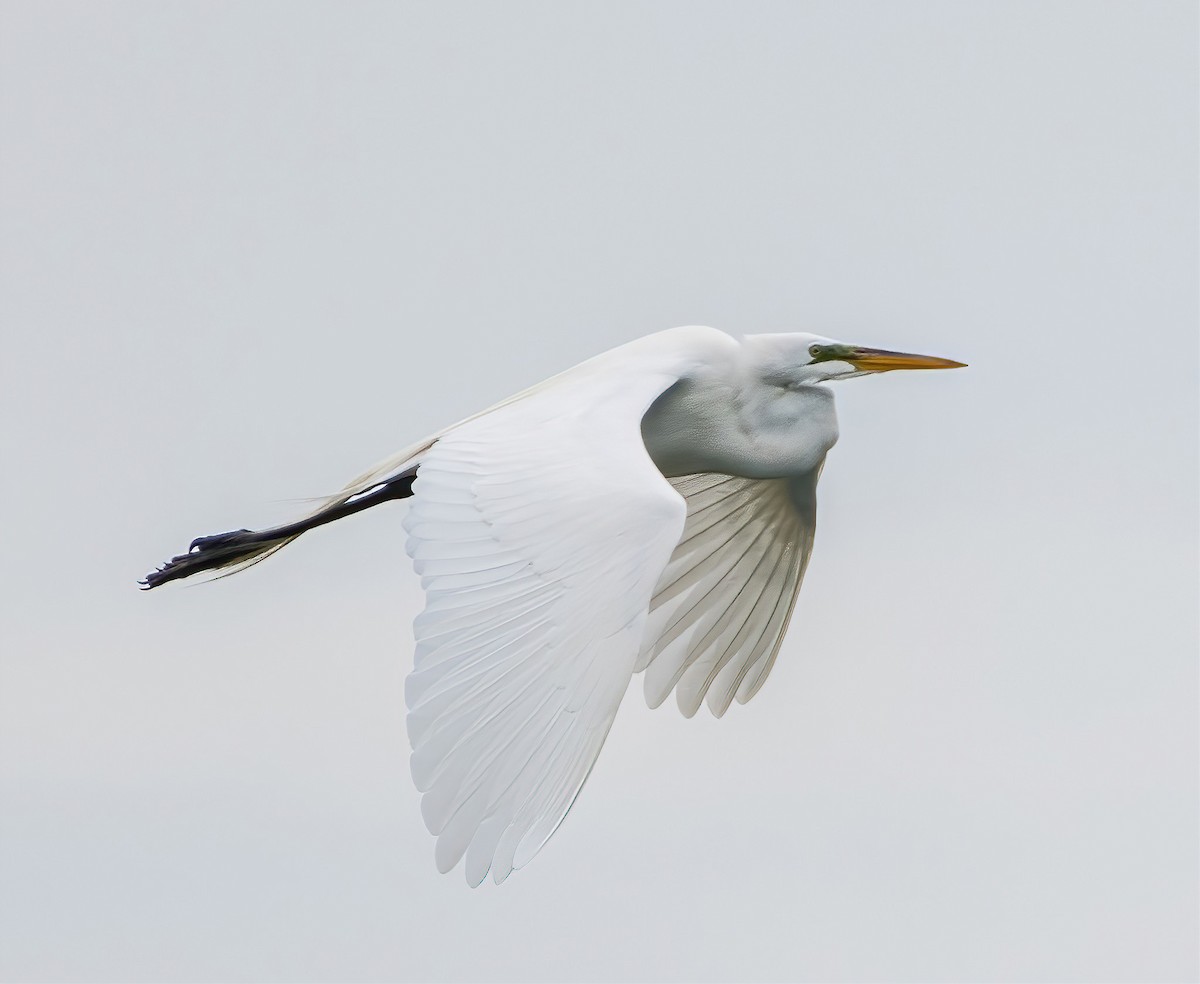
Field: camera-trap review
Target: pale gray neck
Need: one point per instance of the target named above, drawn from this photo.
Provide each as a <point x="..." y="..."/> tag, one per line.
<point x="750" y="420"/>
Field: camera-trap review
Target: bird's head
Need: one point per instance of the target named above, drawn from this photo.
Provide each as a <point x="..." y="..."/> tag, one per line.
<point x="804" y="358"/>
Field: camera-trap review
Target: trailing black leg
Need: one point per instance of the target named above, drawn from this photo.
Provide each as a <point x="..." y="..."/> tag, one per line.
<point x="244" y="547"/>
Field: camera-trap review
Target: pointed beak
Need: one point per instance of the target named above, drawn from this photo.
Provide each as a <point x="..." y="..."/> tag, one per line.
<point x="880" y="360"/>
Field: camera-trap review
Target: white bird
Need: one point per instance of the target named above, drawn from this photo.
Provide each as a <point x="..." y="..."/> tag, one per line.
<point x="650" y="510"/>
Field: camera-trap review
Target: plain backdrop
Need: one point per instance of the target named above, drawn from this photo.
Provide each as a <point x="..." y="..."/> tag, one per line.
<point x="248" y="249"/>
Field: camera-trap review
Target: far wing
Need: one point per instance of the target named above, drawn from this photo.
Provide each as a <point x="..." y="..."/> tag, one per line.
<point x="721" y="607"/>
<point x="539" y="530"/>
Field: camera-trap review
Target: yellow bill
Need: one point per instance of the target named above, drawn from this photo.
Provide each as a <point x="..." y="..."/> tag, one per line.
<point x="880" y="360"/>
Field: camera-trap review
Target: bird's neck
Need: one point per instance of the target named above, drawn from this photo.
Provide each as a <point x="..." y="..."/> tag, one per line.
<point x="740" y="425"/>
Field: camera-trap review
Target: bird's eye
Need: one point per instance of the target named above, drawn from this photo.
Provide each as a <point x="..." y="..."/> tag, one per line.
<point x="814" y="350"/>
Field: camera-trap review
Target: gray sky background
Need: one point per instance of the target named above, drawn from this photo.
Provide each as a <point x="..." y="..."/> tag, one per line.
<point x="247" y="250"/>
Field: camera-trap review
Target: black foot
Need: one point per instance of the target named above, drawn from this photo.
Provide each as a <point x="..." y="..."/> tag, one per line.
<point x="206" y="553"/>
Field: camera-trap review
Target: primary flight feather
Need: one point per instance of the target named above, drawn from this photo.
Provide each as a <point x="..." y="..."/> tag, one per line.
<point x="651" y="510"/>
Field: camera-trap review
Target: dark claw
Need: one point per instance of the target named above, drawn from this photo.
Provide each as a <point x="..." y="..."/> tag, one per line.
<point x="203" y="543"/>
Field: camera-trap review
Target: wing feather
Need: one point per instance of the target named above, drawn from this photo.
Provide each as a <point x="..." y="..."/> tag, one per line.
<point x="539" y="530"/>
<point x="722" y="605"/>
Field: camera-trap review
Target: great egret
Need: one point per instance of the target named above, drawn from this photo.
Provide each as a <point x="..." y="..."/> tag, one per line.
<point x="651" y="510"/>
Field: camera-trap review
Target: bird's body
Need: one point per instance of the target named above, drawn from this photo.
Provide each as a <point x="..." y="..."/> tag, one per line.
<point x="652" y="509"/>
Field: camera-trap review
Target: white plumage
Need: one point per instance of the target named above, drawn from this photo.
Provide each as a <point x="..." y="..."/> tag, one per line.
<point x="651" y="510"/>
<point x="538" y="565"/>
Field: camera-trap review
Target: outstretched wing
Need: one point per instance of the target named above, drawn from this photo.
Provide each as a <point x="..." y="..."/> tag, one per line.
<point x="721" y="607"/>
<point x="539" y="531"/>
